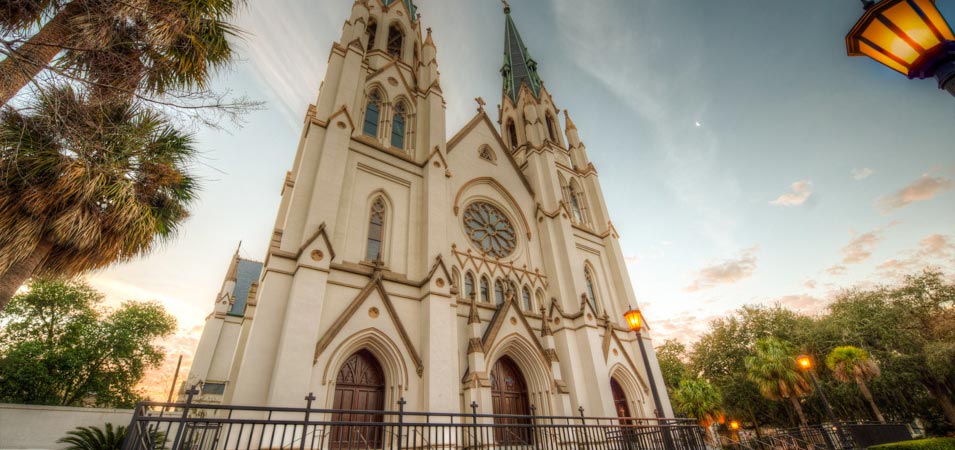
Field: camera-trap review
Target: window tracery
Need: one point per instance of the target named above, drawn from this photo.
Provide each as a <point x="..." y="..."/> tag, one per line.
<point x="489" y="229"/>
<point x="376" y="228"/>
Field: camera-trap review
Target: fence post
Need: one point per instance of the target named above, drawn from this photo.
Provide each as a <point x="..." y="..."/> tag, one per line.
<point x="177" y="444"/>
<point x="533" y="429"/>
<point x="583" y="425"/>
<point x="133" y="431"/>
<point x="474" y="407"/>
<point x="308" y="409"/>
<point x="401" y="418"/>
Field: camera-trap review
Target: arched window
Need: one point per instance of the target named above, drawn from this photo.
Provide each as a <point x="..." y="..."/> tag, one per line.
<point x="591" y="296"/>
<point x="499" y="291"/>
<point x="540" y="298"/>
<point x="512" y="134"/>
<point x="372" y="114"/>
<point x="485" y="293"/>
<point x="396" y="40"/>
<point x="376" y="229"/>
<point x="577" y="203"/>
<point x="372" y="34"/>
<point x="468" y="285"/>
<point x="552" y="128"/>
<point x="456" y="279"/>
<point x="398" y="127"/>
<point x="526" y="299"/>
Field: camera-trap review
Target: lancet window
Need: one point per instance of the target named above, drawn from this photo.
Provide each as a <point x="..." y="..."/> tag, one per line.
<point x="376" y="229"/>
<point x="485" y="290"/>
<point x="398" y="126"/>
<point x="552" y="129"/>
<point x="512" y="134"/>
<point x="499" y="292"/>
<point x="526" y="299"/>
<point x="372" y="114"/>
<point x="395" y="41"/>
<point x="591" y="295"/>
<point x="372" y="34"/>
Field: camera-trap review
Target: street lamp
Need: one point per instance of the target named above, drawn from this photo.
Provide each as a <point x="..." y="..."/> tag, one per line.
<point x="634" y="320"/>
<point x="734" y="427"/>
<point x="908" y="36"/>
<point x="805" y="363"/>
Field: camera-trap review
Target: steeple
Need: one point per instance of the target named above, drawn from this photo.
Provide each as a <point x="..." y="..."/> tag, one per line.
<point x="519" y="67"/>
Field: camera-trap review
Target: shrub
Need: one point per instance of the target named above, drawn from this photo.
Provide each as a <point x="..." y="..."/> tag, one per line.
<point x="920" y="444"/>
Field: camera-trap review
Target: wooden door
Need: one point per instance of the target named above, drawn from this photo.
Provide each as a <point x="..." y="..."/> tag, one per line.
<point x="509" y="395"/>
<point x="620" y="401"/>
<point x="359" y="393"/>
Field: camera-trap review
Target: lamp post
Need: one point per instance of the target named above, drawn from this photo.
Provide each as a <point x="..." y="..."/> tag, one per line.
<point x="734" y="428"/>
<point x="805" y="363"/>
<point x="634" y="320"/>
<point x="908" y="36"/>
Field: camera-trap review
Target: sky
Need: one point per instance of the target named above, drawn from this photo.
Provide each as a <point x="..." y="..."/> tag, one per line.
<point x="744" y="158"/>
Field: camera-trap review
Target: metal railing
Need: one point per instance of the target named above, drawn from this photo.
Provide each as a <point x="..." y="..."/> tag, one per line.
<point x="192" y="426"/>
<point x="824" y="437"/>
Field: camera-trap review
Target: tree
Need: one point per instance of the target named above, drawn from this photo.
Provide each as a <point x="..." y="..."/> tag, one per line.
<point x="58" y="348"/>
<point x="84" y="184"/>
<point x="699" y="399"/>
<point x="117" y="48"/>
<point x="849" y="363"/>
<point x="773" y="368"/>
<point x="671" y="356"/>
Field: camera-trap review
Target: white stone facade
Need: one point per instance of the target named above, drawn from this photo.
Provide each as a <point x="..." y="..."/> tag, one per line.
<point x="333" y="285"/>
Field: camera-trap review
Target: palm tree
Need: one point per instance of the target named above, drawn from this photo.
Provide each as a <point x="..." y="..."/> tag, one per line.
<point x="93" y="438"/>
<point x="849" y="363"/>
<point x="85" y="184"/>
<point x="773" y="368"/>
<point x="117" y="46"/>
<point x="699" y="399"/>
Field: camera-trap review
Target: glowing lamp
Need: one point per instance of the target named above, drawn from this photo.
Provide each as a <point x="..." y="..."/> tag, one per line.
<point x="908" y="36"/>
<point x="634" y="319"/>
<point x="734" y="425"/>
<point x="804" y="362"/>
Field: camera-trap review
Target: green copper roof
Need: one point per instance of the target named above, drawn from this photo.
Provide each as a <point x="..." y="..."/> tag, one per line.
<point x="519" y="67"/>
<point x="411" y="7"/>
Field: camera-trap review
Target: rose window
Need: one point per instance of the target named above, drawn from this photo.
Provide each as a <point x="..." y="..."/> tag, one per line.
<point x="489" y="229"/>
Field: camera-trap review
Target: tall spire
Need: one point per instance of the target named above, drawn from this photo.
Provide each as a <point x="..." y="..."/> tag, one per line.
<point x="519" y="67"/>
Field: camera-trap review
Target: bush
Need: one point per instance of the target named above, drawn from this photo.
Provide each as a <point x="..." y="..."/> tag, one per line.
<point x="921" y="444"/>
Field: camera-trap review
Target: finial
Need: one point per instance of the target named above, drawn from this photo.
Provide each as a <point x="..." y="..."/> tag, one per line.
<point x="507" y="7"/>
<point x="480" y="102"/>
<point x="866" y="4"/>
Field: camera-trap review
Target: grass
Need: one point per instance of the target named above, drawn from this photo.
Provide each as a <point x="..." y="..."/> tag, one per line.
<point x="920" y="444"/>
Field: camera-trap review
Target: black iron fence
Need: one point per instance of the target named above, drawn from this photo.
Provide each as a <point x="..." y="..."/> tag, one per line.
<point x="191" y="426"/>
<point x="825" y="437"/>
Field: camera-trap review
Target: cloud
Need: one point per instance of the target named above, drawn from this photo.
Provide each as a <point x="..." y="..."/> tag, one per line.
<point x="810" y="284"/>
<point x="932" y="249"/>
<point x="801" y="303"/>
<point x="800" y="192"/>
<point x="726" y="272"/>
<point x="631" y="259"/>
<point x="922" y="189"/>
<point x="861" y="174"/>
<point x="936" y="246"/>
<point x="861" y="246"/>
<point x="837" y="270"/>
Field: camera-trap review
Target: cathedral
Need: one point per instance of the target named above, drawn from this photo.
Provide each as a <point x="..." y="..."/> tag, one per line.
<point x="481" y="268"/>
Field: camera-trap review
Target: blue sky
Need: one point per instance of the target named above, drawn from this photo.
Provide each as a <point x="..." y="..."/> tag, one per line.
<point x="744" y="158"/>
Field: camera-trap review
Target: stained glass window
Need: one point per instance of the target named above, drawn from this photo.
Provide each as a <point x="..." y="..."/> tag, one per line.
<point x="398" y="127"/>
<point x="489" y="229"/>
<point x="372" y="114"/>
<point x="376" y="226"/>
<point x="591" y="297"/>
<point x="468" y="285"/>
<point x="485" y="293"/>
<point x="526" y="298"/>
<point x="499" y="292"/>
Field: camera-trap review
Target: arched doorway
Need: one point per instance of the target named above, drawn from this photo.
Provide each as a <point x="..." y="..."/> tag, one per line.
<point x="360" y="386"/>
<point x="620" y="403"/>
<point x="509" y="398"/>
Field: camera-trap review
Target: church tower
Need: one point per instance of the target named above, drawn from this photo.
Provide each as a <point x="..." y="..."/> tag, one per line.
<point x="481" y="268"/>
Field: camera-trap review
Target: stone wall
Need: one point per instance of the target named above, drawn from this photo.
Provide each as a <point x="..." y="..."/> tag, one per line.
<point x="39" y="427"/>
